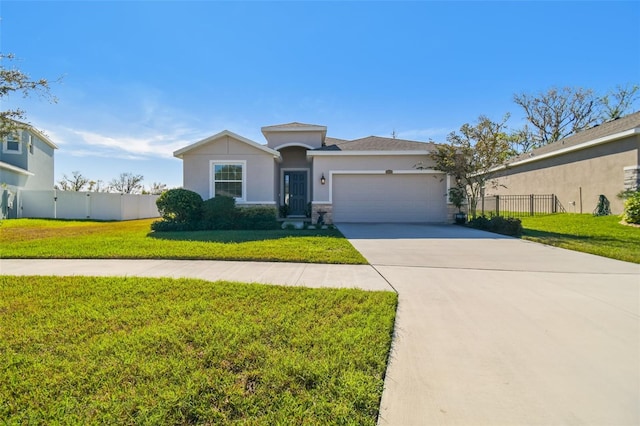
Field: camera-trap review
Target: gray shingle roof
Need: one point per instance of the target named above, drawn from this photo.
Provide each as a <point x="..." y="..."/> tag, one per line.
<point x="609" y="128"/>
<point x="375" y="143"/>
<point x="292" y="125"/>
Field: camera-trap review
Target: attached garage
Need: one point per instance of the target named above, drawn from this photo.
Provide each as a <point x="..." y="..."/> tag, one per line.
<point x="389" y="197"/>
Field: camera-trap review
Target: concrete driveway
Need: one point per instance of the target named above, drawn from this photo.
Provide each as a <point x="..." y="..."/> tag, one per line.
<point x="498" y="331"/>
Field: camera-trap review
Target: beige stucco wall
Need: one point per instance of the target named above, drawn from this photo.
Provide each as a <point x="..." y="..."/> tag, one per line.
<point x="327" y="164"/>
<point x="277" y="139"/>
<point x="591" y="171"/>
<point x="259" y="171"/>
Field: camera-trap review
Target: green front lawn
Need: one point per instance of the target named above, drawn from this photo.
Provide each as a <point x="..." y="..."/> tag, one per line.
<point x="45" y="238"/>
<point x="82" y="350"/>
<point x="601" y="235"/>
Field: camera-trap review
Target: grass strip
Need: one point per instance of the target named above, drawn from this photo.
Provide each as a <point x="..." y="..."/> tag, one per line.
<point x="58" y="239"/>
<point x="600" y="235"/>
<point x="83" y="350"/>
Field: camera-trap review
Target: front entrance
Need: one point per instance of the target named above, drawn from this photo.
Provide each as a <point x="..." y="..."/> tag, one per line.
<point x="295" y="192"/>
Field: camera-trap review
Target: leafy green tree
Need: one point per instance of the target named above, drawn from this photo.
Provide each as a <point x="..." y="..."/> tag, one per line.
<point x="14" y="81"/>
<point x="471" y="155"/>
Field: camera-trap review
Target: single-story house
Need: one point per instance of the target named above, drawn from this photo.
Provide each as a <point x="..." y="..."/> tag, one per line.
<point x="305" y="173"/>
<point x="602" y="160"/>
<point x="26" y="163"/>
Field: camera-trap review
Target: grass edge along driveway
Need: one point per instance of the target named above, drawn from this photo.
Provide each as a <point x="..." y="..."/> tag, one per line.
<point x="176" y="351"/>
<point x="599" y="235"/>
<point x="65" y="239"/>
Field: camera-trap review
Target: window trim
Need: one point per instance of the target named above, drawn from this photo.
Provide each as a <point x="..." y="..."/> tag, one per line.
<point x="212" y="182"/>
<point x="5" y="144"/>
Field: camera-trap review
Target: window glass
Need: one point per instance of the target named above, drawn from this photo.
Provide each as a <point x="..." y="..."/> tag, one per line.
<point x="13" y="144"/>
<point x="227" y="180"/>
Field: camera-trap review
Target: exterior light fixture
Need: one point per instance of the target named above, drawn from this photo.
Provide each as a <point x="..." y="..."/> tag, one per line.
<point x="322" y="179"/>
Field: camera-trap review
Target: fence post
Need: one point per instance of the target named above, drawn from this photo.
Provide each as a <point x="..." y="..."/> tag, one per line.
<point x="531" y="205"/>
<point x="554" y="204"/>
<point x="497" y="205"/>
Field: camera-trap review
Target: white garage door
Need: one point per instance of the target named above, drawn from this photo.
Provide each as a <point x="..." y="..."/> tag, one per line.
<point x="389" y="198"/>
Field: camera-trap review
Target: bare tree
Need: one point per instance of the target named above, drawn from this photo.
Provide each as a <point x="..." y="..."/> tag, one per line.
<point x="156" y="188"/>
<point x="97" y="186"/>
<point x="77" y="182"/>
<point x="12" y="80"/>
<point x="619" y="101"/>
<point x="127" y="183"/>
<point x="558" y="113"/>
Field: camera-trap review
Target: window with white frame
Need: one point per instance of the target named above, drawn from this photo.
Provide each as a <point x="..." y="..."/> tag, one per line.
<point x="228" y="178"/>
<point x="11" y="144"/>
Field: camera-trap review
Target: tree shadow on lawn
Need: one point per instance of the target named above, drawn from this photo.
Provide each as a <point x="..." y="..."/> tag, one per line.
<point x="241" y="236"/>
<point x="557" y="236"/>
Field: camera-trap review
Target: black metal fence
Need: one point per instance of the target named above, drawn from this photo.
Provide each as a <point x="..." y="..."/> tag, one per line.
<point x="519" y="205"/>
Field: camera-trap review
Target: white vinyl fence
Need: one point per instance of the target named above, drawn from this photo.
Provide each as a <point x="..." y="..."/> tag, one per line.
<point x="85" y="205"/>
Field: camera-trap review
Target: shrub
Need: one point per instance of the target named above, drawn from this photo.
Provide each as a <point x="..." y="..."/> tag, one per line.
<point x="257" y="218"/>
<point x="631" y="212"/>
<point x="498" y="224"/>
<point x="180" y="206"/>
<point x="219" y="212"/>
<point x="169" y="226"/>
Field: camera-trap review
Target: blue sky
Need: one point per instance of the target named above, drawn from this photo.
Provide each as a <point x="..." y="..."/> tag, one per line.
<point x="143" y="79"/>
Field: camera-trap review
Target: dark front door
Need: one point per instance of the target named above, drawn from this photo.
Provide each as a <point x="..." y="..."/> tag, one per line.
<point x="295" y="192"/>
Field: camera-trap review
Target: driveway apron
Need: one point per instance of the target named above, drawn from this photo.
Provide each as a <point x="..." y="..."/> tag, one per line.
<point x="494" y="330"/>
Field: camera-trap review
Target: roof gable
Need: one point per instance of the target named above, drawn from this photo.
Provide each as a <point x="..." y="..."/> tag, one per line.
<point x="179" y="153"/>
<point x="293" y="127"/>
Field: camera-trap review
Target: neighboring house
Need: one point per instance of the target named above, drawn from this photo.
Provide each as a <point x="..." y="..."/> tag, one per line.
<point x="305" y="173"/>
<point x="26" y="163"/>
<point x="604" y="159"/>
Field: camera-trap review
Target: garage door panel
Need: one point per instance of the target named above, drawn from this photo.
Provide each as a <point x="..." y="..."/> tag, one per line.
<point x="389" y="198"/>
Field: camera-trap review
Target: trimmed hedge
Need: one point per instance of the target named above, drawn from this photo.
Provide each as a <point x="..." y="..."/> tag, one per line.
<point x="216" y="213"/>
<point x="180" y="206"/>
<point x="498" y="224"/>
<point x="257" y="218"/>
<point x="219" y="213"/>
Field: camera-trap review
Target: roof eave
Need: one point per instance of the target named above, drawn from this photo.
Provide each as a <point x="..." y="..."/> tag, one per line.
<point x="578" y="147"/>
<point x="16" y="169"/>
<point x="321" y="153"/>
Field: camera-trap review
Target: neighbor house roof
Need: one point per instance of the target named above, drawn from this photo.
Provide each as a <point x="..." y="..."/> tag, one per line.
<point x="599" y="134"/>
<point x="179" y="153"/>
<point x="38" y="133"/>
<point x="375" y="143"/>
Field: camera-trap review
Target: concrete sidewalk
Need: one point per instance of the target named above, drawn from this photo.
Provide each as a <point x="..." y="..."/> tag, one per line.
<point x="290" y="274"/>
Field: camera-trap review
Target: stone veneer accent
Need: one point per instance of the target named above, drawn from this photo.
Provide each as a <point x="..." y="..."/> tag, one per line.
<point x="328" y="216"/>
<point x="632" y="178"/>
